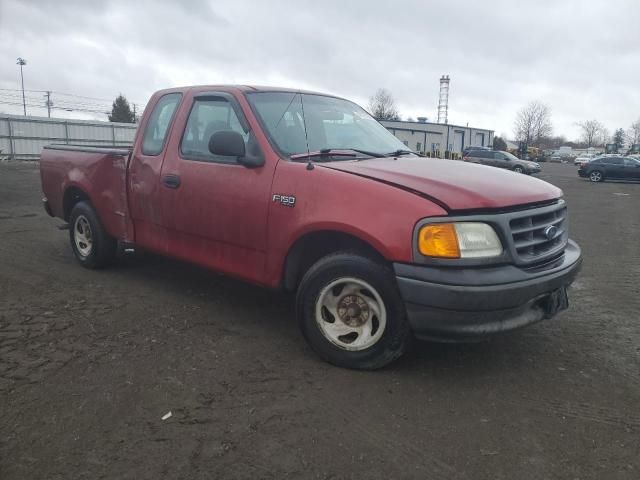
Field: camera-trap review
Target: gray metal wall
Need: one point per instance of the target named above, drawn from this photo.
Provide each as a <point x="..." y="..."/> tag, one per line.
<point x="22" y="138"/>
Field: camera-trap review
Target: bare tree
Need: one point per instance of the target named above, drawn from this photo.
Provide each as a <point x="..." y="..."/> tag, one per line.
<point x="382" y="105"/>
<point x="604" y="137"/>
<point x="533" y="123"/>
<point x="592" y="131"/>
<point x="633" y="134"/>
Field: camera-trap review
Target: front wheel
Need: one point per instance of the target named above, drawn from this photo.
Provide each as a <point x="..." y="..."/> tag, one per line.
<point x="351" y="313"/>
<point x="518" y="169"/>
<point x="596" y="176"/>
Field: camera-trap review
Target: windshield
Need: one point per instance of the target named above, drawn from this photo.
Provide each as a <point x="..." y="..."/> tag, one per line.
<point x="331" y="124"/>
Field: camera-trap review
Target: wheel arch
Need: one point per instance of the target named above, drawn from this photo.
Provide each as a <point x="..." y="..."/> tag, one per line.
<point x="73" y="194"/>
<point x="312" y="246"/>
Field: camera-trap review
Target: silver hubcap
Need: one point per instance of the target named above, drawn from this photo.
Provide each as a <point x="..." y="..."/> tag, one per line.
<point x="518" y="170"/>
<point x="82" y="235"/>
<point x="351" y="314"/>
<point x="595" y="177"/>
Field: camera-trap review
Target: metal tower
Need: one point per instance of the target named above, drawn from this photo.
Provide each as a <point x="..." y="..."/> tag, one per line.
<point x="443" y="102"/>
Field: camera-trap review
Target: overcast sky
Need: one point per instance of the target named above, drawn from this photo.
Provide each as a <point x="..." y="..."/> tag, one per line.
<point x="582" y="58"/>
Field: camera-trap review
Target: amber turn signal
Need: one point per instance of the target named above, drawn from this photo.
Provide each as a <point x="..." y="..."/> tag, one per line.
<point x="439" y="240"/>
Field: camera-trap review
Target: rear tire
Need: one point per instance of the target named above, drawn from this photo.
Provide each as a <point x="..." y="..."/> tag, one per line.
<point x="596" y="176"/>
<point x="91" y="244"/>
<point x="350" y="312"/>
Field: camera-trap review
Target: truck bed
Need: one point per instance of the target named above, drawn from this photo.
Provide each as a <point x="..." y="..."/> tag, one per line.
<point x="95" y="172"/>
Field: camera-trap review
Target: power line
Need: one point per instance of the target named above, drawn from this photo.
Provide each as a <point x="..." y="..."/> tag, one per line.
<point x="62" y="101"/>
<point x="67" y="94"/>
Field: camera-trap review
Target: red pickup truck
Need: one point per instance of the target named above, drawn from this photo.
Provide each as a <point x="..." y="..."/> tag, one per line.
<point x="307" y="192"/>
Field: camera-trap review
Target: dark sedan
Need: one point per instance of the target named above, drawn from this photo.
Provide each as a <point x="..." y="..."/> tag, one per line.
<point x="611" y="168"/>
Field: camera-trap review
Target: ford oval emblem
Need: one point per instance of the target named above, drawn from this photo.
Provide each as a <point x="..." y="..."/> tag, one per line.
<point x="550" y="232"/>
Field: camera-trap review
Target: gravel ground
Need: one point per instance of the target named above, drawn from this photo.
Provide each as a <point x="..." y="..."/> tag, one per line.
<point x="90" y="362"/>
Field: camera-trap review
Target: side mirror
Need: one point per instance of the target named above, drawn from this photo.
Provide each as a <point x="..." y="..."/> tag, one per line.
<point x="229" y="143"/>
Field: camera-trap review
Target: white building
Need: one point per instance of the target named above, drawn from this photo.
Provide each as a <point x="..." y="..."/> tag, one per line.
<point x="434" y="139"/>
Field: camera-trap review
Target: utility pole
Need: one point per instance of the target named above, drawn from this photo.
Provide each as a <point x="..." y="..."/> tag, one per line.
<point x="49" y="104"/>
<point x="134" y="113"/>
<point x="22" y="62"/>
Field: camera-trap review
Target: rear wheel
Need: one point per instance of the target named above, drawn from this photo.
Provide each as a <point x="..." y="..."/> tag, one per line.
<point x="91" y="244"/>
<point x="596" y="176"/>
<point x="518" y="169"/>
<point x="350" y="311"/>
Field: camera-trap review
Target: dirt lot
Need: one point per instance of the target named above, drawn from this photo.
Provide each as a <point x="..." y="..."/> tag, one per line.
<point x="91" y="361"/>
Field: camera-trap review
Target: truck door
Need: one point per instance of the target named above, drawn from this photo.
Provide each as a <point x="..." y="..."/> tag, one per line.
<point x="144" y="171"/>
<point x="215" y="210"/>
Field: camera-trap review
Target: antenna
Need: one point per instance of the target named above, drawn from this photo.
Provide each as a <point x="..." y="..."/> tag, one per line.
<point x="306" y="137"/>
<point x="443" y="101"/>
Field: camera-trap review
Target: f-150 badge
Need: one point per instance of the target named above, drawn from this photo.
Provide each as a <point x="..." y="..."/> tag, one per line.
<point x="286" y="200"/>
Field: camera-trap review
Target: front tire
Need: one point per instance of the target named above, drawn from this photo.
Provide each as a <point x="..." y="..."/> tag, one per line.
<point x="596" y="176"/>
<point x="91" y="244"/>
<point x="351" y="313"/>
<point x="518" y="169"/>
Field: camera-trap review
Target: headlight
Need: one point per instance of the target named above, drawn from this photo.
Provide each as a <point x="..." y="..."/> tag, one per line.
<point x="459" y="240"/>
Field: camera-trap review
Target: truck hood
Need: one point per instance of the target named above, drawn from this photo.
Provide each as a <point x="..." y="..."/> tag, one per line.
<point x="455" y="185"/>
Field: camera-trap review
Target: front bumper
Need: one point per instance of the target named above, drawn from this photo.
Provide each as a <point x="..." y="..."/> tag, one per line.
<point x="463" y="303"/>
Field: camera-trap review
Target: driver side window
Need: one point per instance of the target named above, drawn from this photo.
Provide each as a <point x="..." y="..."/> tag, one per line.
<point x="208" y="116"/>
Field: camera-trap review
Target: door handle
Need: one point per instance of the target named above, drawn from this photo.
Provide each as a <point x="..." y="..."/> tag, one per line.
<point x="171" y="181"/>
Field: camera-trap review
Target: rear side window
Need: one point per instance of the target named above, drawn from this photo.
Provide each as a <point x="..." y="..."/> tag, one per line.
<point x="208" y="116"/>
<point x="158" y="126"/>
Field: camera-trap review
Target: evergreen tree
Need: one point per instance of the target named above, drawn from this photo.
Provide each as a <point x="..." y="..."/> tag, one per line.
<point x="618" y="137"/>
<point x="121" y="111"/>
<point x="499" y="144"/>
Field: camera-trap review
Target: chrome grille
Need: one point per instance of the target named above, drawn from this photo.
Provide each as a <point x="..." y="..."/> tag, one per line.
<point x="539" y="234"/>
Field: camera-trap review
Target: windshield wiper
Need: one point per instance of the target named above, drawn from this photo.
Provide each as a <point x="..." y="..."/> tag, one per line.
<point x="336" y="152"/>
<point x="399" y="153"/>
<point x="364" y="152"/>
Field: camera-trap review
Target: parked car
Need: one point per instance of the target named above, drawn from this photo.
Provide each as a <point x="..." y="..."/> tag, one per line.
<point x="611" y="167"/>
<point x="502" y="160"/>
<point x="469" y="149"/>
<point x="583" y="159"/>
<point x="309" y="193"/>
